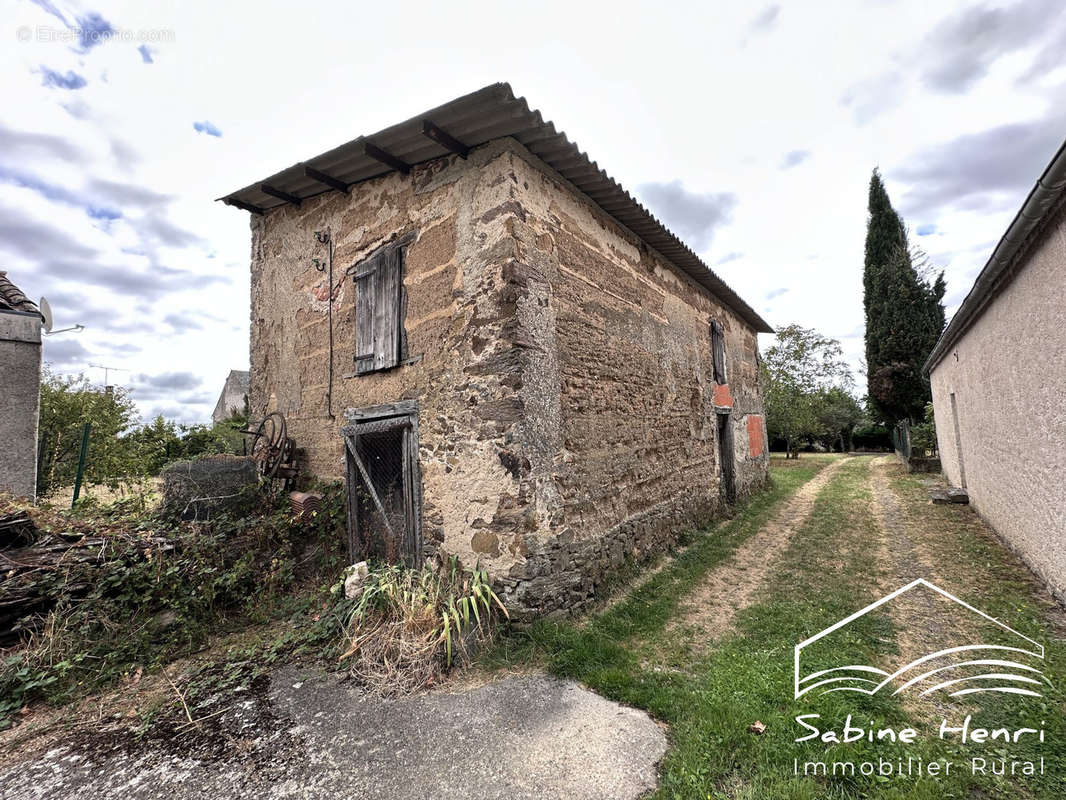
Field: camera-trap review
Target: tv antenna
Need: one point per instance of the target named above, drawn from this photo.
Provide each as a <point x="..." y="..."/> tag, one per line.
<point x="107" y="371"/>
<point x="46" y="312"/>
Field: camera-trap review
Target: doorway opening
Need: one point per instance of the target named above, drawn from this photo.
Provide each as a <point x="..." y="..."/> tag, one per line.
<point x="384" y="483"/>
<point x="958" y="440"/>
<point x="726" y="458"/>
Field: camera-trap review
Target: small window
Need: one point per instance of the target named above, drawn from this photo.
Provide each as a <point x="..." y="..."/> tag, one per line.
<point x="718" y="351"/>
<point x="379" y="311"/>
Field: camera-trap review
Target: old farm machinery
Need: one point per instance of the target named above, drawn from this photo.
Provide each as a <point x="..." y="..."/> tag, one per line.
<point x="273" y="450"/>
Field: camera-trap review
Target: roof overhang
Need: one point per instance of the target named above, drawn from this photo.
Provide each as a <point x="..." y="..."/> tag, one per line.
<point x="456" y="127"/>
<point x="1043" y="200"/>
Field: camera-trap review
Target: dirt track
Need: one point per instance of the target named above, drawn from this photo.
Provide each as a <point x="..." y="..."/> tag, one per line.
<point x="734" y="585"/>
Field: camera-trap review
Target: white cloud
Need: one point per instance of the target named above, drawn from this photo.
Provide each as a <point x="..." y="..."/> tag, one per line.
<point x="707" y="103"/>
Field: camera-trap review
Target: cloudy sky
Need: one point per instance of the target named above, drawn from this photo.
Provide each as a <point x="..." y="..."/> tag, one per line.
<point x="749" y="129"/>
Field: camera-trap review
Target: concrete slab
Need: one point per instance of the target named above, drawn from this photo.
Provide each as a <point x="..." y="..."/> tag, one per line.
<point x="523" y="737"/>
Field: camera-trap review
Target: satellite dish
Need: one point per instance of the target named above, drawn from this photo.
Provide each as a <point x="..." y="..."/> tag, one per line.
<point x="46" y="312"/>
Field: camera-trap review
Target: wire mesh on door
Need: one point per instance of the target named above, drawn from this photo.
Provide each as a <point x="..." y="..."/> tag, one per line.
<point x="384" y="488"/>
<point x="382" y="519"/>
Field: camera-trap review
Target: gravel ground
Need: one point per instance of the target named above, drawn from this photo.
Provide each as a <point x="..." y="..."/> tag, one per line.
<point x="309" y="735"/>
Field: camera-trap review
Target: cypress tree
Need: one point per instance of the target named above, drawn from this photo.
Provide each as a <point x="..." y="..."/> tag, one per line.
<point x="904" y="314"/>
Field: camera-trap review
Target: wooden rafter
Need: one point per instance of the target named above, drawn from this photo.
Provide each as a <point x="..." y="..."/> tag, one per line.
<point x="386" y="158"/>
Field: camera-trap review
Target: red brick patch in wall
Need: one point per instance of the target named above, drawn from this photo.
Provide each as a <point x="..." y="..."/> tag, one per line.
<point x="755" y="442"/>
<point x="722" y="397"/>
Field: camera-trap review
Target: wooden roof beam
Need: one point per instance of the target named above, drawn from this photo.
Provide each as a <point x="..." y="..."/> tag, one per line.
<point x="327" y="180"/>
<point x="444" y="139"/>
<point x="232" y="201"/>
<point x="273" y="191"/>
<point x="386" y="158"/>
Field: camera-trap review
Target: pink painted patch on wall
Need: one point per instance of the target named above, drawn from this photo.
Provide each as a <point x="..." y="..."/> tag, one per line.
<point x="755" y="440"/>
<point x="722" y="397"/>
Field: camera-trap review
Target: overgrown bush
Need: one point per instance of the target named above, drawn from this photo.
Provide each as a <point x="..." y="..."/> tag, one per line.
<point x="409" y="625"/>
<point x="155" y="591"/>
<point x="67" y="404"/>
<point x="122" y="453"/>
<point x="871" y="437"/>
<point x="923" y="435"/>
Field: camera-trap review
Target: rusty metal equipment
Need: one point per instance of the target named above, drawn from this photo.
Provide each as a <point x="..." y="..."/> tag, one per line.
<point x="273" y="451"/>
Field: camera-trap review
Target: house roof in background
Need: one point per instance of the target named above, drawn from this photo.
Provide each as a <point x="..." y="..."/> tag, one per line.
<point x="238" y="379"/>
<point x="1044" y="199"/>
<point x="237" y="383"/>
<point x="456" y="127"/>
<point x="12" y="298"/>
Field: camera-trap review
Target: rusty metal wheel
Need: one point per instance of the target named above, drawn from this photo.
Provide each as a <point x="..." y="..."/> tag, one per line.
<point x="269" y="444"/>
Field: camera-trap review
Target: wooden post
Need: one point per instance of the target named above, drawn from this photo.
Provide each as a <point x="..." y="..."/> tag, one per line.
<point x="81" y="462"/>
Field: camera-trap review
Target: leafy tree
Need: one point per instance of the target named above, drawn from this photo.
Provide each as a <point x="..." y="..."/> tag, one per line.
<point x="221" y="437"/>
<point x="158" y="442"/>
<point x="800" y="372"/>
<point x="838" y="415"/>
<point x="120" y="449"/>
<point x="67" y="403"/>
<point x="923" y="435"/>
<point x="904" y="312"/>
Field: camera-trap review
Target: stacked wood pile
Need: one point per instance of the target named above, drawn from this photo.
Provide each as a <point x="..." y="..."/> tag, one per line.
<point x="34" y="562"/>
<point x="16" y="529"/>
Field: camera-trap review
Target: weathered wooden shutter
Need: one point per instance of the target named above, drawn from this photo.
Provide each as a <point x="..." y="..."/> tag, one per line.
<point x="378" y="284"/>
<point x="718" y="351"/>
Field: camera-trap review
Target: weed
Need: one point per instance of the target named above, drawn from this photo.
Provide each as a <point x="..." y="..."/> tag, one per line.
<point x="408" y="624"/>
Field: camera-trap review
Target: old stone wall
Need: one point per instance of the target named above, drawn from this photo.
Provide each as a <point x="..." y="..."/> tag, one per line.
<point x="563" y="371"/>
<point x="1006" y="437"/>
<point x="619" y="436"/>
<point x="20" y="365"/>
<point x="459" y="330"/>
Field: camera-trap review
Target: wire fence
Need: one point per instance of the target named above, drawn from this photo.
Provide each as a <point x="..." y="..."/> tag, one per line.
<point x="901" y="440"/>
<point x="916" y="446"/>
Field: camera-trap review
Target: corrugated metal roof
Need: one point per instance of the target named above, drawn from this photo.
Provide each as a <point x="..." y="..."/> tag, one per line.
<point x="473" y="120"/>
<point x="1043" y="199"/>
<point x="12" y="299"/>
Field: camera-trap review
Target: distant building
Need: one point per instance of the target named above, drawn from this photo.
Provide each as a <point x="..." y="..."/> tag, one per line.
<point x="20" y="373"/>
<point x="999" y="383"/>
<point x="234" y="396"/>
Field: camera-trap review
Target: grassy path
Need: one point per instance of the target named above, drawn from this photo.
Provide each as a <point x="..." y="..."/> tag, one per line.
<point x="870" y="527"/>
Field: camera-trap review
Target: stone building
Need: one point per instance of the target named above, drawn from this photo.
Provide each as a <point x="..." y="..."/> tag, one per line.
<point x="998" y="376"/>
<point x="20" y="368"/>
<point x="234" y="396"/>
<point x="506" y="355"/>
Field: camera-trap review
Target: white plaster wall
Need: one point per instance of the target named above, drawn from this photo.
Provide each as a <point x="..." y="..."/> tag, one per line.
<point x="1008" y="374"/>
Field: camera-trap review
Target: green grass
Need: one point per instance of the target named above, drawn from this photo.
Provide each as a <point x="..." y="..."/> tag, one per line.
<point x="709" y="696"/>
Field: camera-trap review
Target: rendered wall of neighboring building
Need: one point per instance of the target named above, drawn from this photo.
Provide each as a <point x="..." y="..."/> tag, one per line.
<point x="566" y="406"/>
<point x="20" y="365"/>
<point x="1007" y="374"/>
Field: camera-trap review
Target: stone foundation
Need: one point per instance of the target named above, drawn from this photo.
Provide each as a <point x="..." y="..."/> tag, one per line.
<point x="566" y="575"/>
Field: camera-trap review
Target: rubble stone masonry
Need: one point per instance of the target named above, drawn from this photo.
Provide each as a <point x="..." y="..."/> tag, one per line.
<point x="567" y="409"/>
